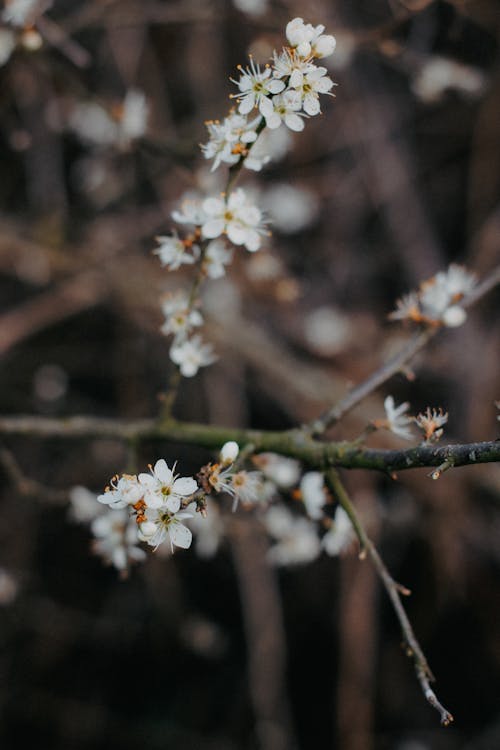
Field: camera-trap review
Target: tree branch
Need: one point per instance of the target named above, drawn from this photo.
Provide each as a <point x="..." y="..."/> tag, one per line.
<point x="292" y="443"/>
<point x="394" y="591"/>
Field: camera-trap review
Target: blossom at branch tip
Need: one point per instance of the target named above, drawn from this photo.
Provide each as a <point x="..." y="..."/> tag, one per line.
<point x="174" y="252"/>
<point x="255" y="87"/>
<point x="190" y="354"/>
<point x="237" y="217"/>
<point x="396" y="419"/>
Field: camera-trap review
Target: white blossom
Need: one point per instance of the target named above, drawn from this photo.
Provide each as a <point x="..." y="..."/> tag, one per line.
<point x="180" y="316"/>
<point x="255" y="87"/>
<point x="288" y="65"/>
<point x="83" y="505"/>
<point x="340" y="534"/>
<point x="308" y="40"/>
<point x="162" y="524"/>
<point x="208" y="529"/>
<point x="122" y="491"/>
<point x="229" y="452"/>
<point x="229" y="139"/>
<point x="396" y="420"/>
<point x="164" y="489"/>
<point x="313" y="83"/>
<point x="174" y="252"/>
<point x="191" y="354"/>
<point x="284" y="108"/>
<point x="190" y="212"/>
<point x="238" y="218"/>
<point x="284" y="472"/>
<point x="431" y="423"/>
<point x="133" y="116"/>
<point x="20" y="12"/>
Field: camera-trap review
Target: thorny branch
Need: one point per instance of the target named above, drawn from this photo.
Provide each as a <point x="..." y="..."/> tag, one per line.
<point x="394" y="591"/>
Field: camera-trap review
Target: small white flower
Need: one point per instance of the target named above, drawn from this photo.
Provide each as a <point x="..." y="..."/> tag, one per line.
<point x="217" y="257"/>
<point x="314" y="83"/>
<point x="396" y="420"/>
<point x="288" y="65"/>
<point x="191" y="354"/>
<point x="255" y="88"/>
<point x="164" y="489"/>
<point x="163" y="524"/>
<point x="173" y="252"/>
<point x="245" y="486"/>
<point x="238" y="218"/>
<point x="284" y="108"/>
<point x="340" y="534"/>
<point x="180" y="318"/>
<point x="312" y="489"/>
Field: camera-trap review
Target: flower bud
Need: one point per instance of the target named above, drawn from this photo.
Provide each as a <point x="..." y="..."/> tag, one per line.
<point x="229" y="452"/>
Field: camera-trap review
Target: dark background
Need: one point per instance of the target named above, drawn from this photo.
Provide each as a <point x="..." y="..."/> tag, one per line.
<point x="225" y="653"/>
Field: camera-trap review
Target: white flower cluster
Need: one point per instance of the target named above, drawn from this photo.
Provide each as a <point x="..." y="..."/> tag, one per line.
<point x="243" y="486"/>
<point x="439" y="300"/>
<point x="286" y="91"/>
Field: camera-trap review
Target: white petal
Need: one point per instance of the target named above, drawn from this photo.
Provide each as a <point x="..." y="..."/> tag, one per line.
<point x="184" y="486"/>
<point x="275" y="86"/>
<point x="180" y="535"/>
<point x="213" y="206"/>
<point x="246" y="104"/>
<point x="253" y="241"/>
<point x="173" y="503"/>
<point x="162" y="472"/>
<point x="311" y="105"/>
<point x="294" y="122"/>
<point x="273" y="121"/>
<point x="148" y="481"/>
<point x="213" y="228"/>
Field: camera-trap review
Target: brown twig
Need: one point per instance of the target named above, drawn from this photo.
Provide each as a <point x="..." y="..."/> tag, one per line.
<point x="422" y="669"/>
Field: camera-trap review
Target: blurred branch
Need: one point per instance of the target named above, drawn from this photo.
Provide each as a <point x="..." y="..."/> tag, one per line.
<point x="394" y="591"/>
<point x="291" y="443"/>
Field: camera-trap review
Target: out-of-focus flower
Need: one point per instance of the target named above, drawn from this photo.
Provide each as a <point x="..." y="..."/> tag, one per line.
<point x="440" y="74"/>
<point x="116" y="539"/>
<point x="396" y="419"/>
<point x="340" y="534"/>
<point x="9" y="588"/>
<point x="191" y="354"/>
<point x="217" y="257"/>
<point x="133" y="116"/>
<point x="83" y="505"/>
<point x="312" y="490"/>
<point x="180" y="317"/>
<point x="282" y="471"/>
<point x="252" y="7"/>
<point x="327" y="331"/>
<point x="208" y="530"/>
<point x="297" y="541"/>
<point x="438" y="300"/>
<point x="290" y="208"/>
<point x="22" y="12"/>
<point x="174" y="252"/>
<point x="7" y="45"/>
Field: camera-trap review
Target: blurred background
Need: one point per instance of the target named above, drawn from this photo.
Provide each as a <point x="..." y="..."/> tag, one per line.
<point x="102" y="105"/>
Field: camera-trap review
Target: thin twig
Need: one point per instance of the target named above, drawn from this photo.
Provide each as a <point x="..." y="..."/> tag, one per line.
<point x="393" y="589"/>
